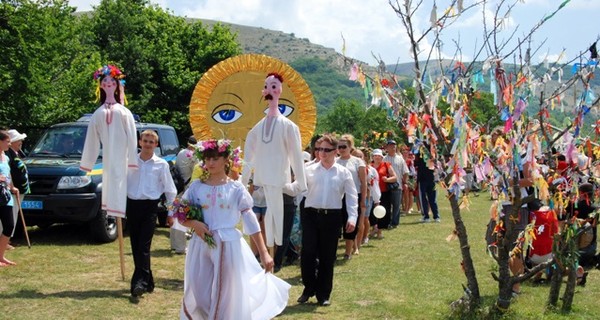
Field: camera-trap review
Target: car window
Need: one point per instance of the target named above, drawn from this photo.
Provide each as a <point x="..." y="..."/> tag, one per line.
<point x="169" y="142"/>
<point x="62" y="141"/>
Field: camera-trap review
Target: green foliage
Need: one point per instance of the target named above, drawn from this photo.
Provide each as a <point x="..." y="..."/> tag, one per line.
<point x="326" y="84"/>
<point x="162" y="55"/>
<point x="348" y="116"/>
<point x="48" y="56"/>
<point x="42" y="56"/>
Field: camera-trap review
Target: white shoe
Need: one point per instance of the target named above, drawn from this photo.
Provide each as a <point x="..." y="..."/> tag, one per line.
<point x="438" y="220"/>
<point x="423" y="220"/>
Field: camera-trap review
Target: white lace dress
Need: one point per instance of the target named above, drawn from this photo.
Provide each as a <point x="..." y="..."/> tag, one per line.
<point x="227" y="282"/>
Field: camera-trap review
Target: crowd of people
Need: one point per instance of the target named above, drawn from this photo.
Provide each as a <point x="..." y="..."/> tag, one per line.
<point x="291" y="204"/>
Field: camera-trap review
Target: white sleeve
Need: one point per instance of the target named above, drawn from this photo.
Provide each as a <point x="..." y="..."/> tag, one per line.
<point x="168" y="185"/>
<point x="249" y="148"/>
<point x="131" y="133"/>
<point x="294" y="146"/>
<point x="351" y="198"/>
<point x="249" y="222"/>
<point x="91" y="147"/>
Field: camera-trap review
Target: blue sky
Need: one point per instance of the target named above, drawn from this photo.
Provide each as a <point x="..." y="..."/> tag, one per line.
<point x="371" y="27"/>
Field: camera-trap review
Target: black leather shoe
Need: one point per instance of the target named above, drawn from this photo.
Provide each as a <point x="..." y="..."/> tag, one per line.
<point x="138" y="290"/>
<point x="325" y="303"/>
<point x="303" y="298"/>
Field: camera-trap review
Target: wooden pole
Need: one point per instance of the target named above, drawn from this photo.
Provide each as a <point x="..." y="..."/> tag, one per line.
<point x="23" y="219"/>
<point x="121" y="254"/>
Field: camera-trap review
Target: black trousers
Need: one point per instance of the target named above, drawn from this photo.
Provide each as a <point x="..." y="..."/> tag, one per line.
<point x="141" y="221"/>
<point x="320" y="234"/>
<point x="386" y="202"/>
<point x="6" y="218"/>
<point x="349" y="235"/>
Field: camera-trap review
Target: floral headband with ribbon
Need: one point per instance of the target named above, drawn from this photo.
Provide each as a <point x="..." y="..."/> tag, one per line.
<point x="115" y="73"/>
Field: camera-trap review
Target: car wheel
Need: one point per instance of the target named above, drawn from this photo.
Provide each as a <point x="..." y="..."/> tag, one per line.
<point x="104" y="227"/>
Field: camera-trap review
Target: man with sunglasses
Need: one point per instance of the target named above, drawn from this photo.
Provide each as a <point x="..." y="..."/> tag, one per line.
<point x="327" y="183"/>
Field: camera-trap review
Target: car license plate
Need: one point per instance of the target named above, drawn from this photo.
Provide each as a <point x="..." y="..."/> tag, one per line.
<point x="32" y="204"/>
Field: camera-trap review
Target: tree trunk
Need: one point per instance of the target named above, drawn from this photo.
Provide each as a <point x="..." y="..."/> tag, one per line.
<point x="570" y="289"/>
<point x="555" y="284"/>
<point x="504" y="283"/>
<point x="465" y="250"/>
<point x="505" y="245"/>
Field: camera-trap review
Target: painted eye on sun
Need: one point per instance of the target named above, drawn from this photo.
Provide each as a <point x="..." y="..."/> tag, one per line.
<point x="226" y="116"/>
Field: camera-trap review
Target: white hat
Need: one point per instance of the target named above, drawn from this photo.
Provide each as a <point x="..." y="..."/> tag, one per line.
<point x="377" y="152"/>
<point x="15" y="135"/>
<point x="306" y="156"/>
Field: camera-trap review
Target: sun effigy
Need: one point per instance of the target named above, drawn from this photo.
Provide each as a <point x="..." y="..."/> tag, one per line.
<point x="227" y="101"/>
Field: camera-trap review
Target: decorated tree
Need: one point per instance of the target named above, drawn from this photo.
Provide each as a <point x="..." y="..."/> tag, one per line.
<point x="517" y="161"/>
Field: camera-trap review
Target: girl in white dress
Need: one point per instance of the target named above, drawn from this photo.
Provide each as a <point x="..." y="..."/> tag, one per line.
<point x="224" y="280"/>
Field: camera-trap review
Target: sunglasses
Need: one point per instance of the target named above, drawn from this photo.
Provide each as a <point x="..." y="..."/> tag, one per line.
<point x="324" y="149"/>
<point x="342" y="146"/>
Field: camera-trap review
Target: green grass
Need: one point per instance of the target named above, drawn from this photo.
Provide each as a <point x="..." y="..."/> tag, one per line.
<point x="414" y="273"/>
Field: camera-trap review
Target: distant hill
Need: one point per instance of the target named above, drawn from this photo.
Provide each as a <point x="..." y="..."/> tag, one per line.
<point x="322" y="68"/>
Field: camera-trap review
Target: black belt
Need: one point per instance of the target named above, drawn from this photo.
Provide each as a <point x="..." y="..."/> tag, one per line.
<point x="324" y="211"/>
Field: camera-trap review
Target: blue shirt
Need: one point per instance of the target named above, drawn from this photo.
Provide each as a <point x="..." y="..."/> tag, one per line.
<point x="5" y="171"/>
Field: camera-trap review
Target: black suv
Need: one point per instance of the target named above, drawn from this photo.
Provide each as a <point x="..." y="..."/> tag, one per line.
<point x="61" y="192"/>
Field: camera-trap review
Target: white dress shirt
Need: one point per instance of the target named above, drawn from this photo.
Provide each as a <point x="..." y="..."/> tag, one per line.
<point x="326" y="188"/>
<point x="151" y="180"/>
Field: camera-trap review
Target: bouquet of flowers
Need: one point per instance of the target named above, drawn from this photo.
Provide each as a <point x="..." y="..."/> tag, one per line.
<point x="183" y="210"/>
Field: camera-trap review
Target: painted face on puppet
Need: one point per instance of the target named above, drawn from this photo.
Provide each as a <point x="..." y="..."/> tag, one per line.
<point x="109" y="85"/>
<point x="272" y="90"/>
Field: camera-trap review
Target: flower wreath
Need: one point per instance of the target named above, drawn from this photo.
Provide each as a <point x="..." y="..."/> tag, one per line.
<point x="224" y="147"/>
<point x="113" y="72"/>
<point x="109" y="70"/>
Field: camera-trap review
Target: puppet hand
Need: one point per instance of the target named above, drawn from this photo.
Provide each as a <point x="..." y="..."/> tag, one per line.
<point x="289" y="189"/>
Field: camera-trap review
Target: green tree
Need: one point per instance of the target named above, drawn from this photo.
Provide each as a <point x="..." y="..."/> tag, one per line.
<point x="326" y="84"/>
<point x="42" y="57"/>
<point x="349" y="116"/>
<point x="162" y="55"/>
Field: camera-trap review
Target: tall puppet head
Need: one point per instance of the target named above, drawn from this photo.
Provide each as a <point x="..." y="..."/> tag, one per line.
<point x="111" y="85"/>
<point x="272" y="90"/>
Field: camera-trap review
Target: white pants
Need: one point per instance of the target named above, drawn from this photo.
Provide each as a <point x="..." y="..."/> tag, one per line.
<point x="178" y="240"/>
<point x="274" y="215"/>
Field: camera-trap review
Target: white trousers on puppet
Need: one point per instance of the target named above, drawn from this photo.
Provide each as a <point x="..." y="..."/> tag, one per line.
<point x="274" y="216"/>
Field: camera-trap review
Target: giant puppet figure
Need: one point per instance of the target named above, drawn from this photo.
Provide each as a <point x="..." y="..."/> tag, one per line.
<point x="273" y="145"/>
<point x="227" y="102"/>
<point x="111" y="126"/>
